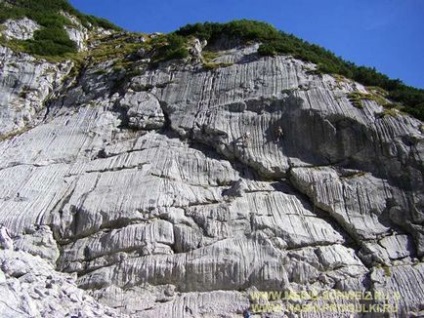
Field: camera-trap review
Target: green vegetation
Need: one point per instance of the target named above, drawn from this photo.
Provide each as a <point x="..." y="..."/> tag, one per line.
<point x="113" y="47"/>
<point x="379" y="96"/>
<point x="356" y="99"/>
<point x="44" y="11"/>
<point x="169" y="47"/>
<point x="275" y="42"/>
<point x="376" y="94"/>
<point x="209" y="64"/>
<point x="121" y="47"/>
<point x="13" y="133"/>
<point x="242" y="30"/>
<point x="86" y="20"/>
<point x="209" y="56"/>
<point x="393" y="112"/>
<point x="386" y="269"/>
<point x="51" y="39"/>
<point x="128" y="53"/>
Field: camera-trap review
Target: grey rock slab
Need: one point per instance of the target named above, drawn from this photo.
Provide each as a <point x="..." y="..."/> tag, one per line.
<point x="144" y="110"/>
<point x="25" y="83"/>
<point x="400" y="286"/>
<point x="32" y="288"/>
<point x="356" y="201"/>
<point x="39" y="241"/>
<point x="398" y="246"/>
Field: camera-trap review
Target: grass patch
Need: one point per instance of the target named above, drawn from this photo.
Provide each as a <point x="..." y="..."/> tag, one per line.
<point x="356" y="99"/>
<point x="169" y="47"/>
<point x="353" y="174"/>
<point x="393" y="112"/>
<point x="12" y="134"/>
<point x="100" y="72"/>
<point x="120" y="47"/>
<point x="209" y="56"/>
<point x="209" y="64"/>
<point x="113" y="47"/>
<point x="376" y="95"/>
<point x="386" y="269"/>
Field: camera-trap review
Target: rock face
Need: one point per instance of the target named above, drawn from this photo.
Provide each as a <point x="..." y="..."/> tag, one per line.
<point x="30" y="287"/>
<point x="76" y="32"/>
<point x="20" y="29"/>
<point x="26" y="86"/>
<point x="186" y="192"/>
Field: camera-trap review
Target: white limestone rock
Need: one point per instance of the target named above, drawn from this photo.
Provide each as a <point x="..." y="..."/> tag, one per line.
<point x="77" y="32"/>
<point x="143" y="110"/>
<point x="176" y="194"/>
<point x="399" y="284"/>
<point x="356" y="201"/>
<point x="6" y="241"/>
<point x="32" y="288"/>
<point x="25" y="84"/>
<point x="79" y="36"/>
<point x="22" y="29"/>
<point x="197" y="47"/>
<point x="398" y="246"/>
<point x="39" y="242"/>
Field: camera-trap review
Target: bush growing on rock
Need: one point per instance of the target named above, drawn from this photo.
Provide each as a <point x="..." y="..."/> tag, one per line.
<point x="51" y="39"/>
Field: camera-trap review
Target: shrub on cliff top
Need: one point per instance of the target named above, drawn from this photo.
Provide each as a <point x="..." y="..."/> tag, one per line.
<point x="244" y="30"/>
<point x="275" y="42"/>
<point x="51" y="39"/>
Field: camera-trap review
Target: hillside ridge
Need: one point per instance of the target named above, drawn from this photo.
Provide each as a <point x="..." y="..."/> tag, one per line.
<point x="52" y="40"/>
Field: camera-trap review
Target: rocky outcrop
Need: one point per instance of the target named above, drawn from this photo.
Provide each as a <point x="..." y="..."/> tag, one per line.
<point x="22" y="29"/>
<point x="26" y="86"/>
<point x="76" y="32"/>
<point x="28" y="83"/>
<point x="143" y="111"/>
<point x="30" y="287"/>
<point x="184" y="192"/>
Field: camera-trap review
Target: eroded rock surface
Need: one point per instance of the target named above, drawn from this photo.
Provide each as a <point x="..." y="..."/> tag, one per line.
<point x="22" y="29"/>
<point x="26" y="85"/>
<point x="182" y="191"/>
<point x="30" y="287"/>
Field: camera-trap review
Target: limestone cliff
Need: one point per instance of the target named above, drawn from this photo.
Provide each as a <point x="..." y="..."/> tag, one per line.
<point x="182" y="189"/>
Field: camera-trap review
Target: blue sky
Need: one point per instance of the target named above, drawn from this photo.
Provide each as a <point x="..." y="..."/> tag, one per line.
<point x="386" y="34"/>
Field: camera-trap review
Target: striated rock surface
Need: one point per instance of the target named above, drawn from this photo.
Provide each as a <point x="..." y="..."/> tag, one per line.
<point x="177" y="191"/>
<point x="26" y="85"/>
